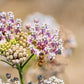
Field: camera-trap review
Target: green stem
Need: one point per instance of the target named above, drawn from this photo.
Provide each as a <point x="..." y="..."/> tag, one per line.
<point x="20" y="73"/>
<point x="20" y="69"/>
<point x="27" y="60"/>
<point x="21" y="76"/>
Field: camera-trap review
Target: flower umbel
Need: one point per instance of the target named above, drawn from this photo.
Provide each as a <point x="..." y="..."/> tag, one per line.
<point x="9" y="26"/>
<point x="42" y="39"/>
<point x="53" y="80"/>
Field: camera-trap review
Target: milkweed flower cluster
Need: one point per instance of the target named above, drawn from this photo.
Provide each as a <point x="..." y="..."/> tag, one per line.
<point x="16" y="54"/>
<point x="53" y="80"/>
<point x="13" y="48"/>
<point x="7" y="45"/>
<point x="15" y="80"/>
<point x="22" y="38"/>
<point x="41" y="80"/>
<point x="42" y="39"/>
<point x="9" y="82"/>
<point x="8" y="26"/>
<point x="68" y="36"/>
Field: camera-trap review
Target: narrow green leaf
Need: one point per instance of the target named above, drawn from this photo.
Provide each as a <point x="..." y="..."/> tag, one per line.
<point x="27" y="60"/>
<point x="6" y="62"/>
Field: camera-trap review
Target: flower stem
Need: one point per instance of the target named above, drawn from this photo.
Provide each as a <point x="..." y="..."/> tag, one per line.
<point x="21" y="76"/>
<point x="20" y="73"/>
<point x="20" y="69"/>
<point x="27" y="60"/>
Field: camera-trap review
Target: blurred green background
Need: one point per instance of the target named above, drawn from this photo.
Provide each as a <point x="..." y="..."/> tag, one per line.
<point x="70" y="14"/>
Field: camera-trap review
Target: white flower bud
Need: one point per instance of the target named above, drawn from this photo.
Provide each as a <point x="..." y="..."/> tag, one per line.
<point x="24" y="44"/>
<point x="17" y="36"/>
<point x="15" y="55"/>
<point x="25" y="36"/>
<point x="60" y="47"/>
<point x="21" y="42"/>
<point x="25" y="40"/>
<point x="10" y="51"/>
<point x="17" y="61"/>
<point x="17" y="44"/>
<point x="9" y="80"/>
<point x="24" y="58"/>
<point x="48" y="82"/>
<point x="11" y="57"/>
<point x="45" y="81"/>
<point x="13" y="46"/>
<point x="14" y="49"/>
<point x="20" y="50"/>
<point x="14" y="61"/>
<point x="24" y="50"/>
<point x="21" y="38"/>
<point x="20" y="54"/>
<point x="17" y="82"/>
<point x="21" y="47"/>
<point x="60" y="41"/>
<point x="8" y="58"/>
<point x="26" y="55"/>
<point x="7" y="54"/>
<point x="18" y="33"/>
<point x="17" y="47"/>
<point x="21" y="60"/>
<point x="36" y="20"/>
<point x="3" y="21"/>
<point x="28" y="26"/>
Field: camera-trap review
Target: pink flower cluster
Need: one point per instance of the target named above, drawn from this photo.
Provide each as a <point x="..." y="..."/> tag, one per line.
<point x="8" y="25"/>
<point x="42" y="39"/>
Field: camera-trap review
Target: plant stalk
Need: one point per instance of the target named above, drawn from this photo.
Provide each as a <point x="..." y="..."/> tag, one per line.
<point x="21" y="76"/>
<point x="27" y="60"/>
<point x="20" y="69"/>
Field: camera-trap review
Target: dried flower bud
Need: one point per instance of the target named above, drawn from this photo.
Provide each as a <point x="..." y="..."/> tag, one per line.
<point x="40" y="77"/>
<point x="15" y="79"/>
<point x="8" y="75"/>
<point x="30" y="82"/>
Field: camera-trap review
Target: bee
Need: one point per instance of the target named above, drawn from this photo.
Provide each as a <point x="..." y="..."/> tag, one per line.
<point x="41" y="59"/>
